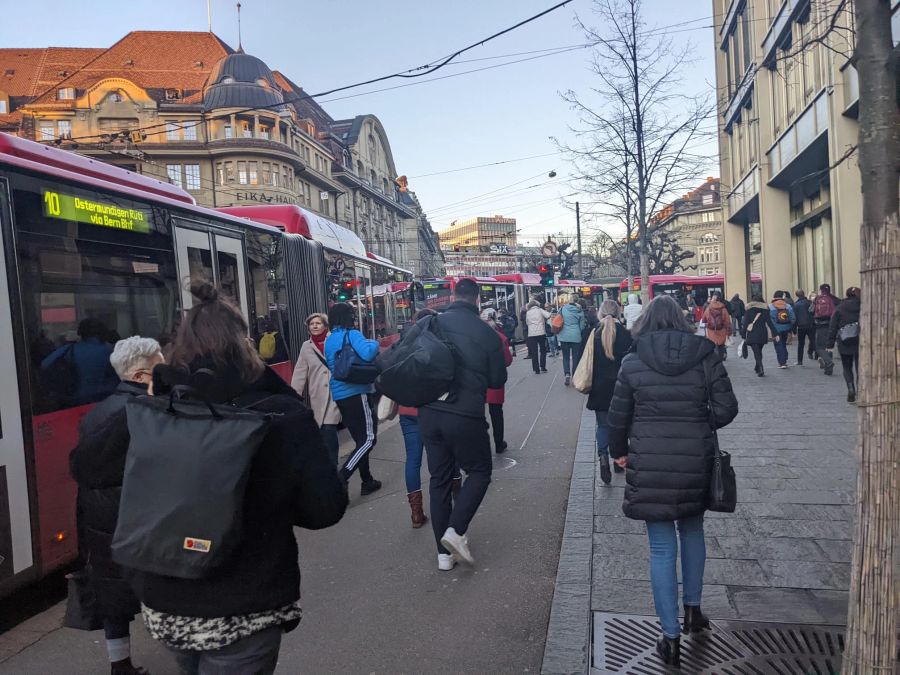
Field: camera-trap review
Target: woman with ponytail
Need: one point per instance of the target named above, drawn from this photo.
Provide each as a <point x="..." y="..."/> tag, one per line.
<point x="611" y="342"/>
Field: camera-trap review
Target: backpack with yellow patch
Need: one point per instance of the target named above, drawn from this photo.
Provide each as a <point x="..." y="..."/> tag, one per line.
<point x="267" y="345"/>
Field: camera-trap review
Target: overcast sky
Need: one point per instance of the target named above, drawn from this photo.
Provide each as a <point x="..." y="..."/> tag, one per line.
<point x="497" y="114"/>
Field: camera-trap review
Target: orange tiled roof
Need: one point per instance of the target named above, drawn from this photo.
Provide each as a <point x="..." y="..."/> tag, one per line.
<point x="150" y="59"/>
<point x="29" y="72"/>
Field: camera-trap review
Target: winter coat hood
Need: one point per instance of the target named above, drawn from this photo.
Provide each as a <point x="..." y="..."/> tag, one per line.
<point x="757" y="305"/>
<point x="633" y="299"/>
<point x="672" y="352"/>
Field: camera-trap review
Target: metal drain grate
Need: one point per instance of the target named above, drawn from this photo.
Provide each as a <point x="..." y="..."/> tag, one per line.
<point x="626" y="644"/>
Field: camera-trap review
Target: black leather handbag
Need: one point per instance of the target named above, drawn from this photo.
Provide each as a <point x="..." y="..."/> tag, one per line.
<point x="82" y="612"/>
<point x="722" y="483"/>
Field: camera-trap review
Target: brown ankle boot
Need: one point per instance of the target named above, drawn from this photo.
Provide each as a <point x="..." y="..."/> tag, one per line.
<point x="415" y="506"/>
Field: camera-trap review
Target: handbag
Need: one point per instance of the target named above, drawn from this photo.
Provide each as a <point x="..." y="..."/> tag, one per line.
<point x="387" y="409"/>
<point x="584" y="373"/>
<point x="849" y="331"/>
<point x="82" y="612"/>
<point x="722" y="482"/>
<point x="350" y="367"/>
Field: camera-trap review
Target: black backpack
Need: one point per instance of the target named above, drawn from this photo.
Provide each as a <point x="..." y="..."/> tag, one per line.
<point x="420" y="368"/>
<point x="185" y="477"/>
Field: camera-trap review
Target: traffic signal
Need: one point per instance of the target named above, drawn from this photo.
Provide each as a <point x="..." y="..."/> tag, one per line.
<point x="546" y="272"/>
<point x="345" y="292"/>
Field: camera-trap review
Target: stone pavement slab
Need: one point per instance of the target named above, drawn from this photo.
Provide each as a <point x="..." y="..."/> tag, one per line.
<point x="783" y="556"/>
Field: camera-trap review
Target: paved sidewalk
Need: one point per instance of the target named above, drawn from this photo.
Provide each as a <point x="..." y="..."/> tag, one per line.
<point x="783" y="556"/>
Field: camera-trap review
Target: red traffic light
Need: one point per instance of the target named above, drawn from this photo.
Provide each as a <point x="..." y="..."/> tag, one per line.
<point x="543" y="269"/>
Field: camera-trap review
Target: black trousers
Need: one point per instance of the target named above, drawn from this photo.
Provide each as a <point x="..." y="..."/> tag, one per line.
<point x="757" y="356"/>
<point x="453" y="441"/>
<point x="802" y="335"/>
<point x="850" y="364"/>
<point x="538" y="344"/>
<point x="496" y="411"/>
<point x="822" y="351"/>
<point x="358" y="415"/>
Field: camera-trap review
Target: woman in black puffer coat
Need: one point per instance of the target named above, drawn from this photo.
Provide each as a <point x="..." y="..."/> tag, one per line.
<point x="660" y="430"/>
<point x="847" y="314"/>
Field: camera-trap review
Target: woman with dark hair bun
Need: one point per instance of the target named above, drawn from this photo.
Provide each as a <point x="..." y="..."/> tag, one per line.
<point x="355" y="401"/>
<point x="844" y="329"/>
<point x="661" y="431"/>
<point x="233" y="620"/>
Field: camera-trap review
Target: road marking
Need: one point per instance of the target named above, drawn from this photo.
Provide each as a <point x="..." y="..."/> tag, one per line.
<point x="538" y="416"/>
<point x="508" y="461"/>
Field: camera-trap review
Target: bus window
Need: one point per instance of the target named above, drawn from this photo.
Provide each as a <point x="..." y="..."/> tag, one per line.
<point x="80" y="296"/>
<point x="269" y="313"/>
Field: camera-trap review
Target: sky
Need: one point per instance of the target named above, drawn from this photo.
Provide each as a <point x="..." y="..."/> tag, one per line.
<point x="501" y="113"/>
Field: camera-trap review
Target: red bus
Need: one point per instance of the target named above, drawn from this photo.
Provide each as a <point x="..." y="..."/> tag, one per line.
<point x="700" y="287"/>
<point x="355" y="275"/>
<point x="86" y="245"/>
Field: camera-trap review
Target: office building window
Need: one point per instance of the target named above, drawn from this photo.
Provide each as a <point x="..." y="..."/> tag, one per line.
<point x="190" y="131"/>
<point x="192" y="176"/>
<point x="174" y="173"/>
<point x="252" y="174"/>
<point x="220" y="173"/>
<point x="47" y="131"/>
<point x="229" y="172"/>
<point x="229" y="132"/>
<point x="172" y="131"/>
<point x="266" y="173"/>
<point x="65" y="128"/>
<point x="242" y="173"/>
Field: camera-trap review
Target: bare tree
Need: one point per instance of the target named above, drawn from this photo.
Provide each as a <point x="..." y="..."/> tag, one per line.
<point x="638" y="127"/>
<point x="874" y="603"/>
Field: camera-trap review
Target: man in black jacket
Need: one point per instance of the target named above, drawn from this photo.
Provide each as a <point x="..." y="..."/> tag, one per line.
<point x="454" y="428"/>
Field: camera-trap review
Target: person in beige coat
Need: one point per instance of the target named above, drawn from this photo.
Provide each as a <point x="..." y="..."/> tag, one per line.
<point x="312" y="380"/>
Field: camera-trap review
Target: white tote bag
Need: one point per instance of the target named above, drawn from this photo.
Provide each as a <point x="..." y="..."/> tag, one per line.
<point x="387" y="409"/>
<point x="584" y="373"/>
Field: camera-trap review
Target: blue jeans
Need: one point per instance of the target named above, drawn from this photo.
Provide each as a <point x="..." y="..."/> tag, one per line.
<point x="329" y="434"/>
<point x="570" y="350"/>
<point x="602" y="434"/>
<point x="663" y="572"/>
<point x="412" y="439"/>
<point x="553" y="342"/>
<point x="781" y="350"/>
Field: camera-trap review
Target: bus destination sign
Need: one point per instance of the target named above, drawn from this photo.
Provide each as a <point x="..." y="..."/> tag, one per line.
<point x="80" y="210"/>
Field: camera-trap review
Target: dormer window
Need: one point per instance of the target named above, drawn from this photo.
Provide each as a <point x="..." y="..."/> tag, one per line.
<point x="4" y="106"/>
<point x="173" y="94"/>
<point x="262" y="82"/>
<point x="117" y="97"/>
<point x="228" y="80"/>
<point x="65" y="94"/>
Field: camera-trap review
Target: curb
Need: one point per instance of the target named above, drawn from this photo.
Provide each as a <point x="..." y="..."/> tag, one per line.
<point x="568" y="646"/>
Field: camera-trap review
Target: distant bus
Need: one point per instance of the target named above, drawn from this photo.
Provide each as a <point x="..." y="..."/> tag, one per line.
<point x="701" y="287"/>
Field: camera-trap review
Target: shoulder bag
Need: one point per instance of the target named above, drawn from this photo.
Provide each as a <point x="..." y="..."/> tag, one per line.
<point x="722" y="482"/>
<point x="351" y="367"/>
<point x="583" y="378"/>
<point x="849" y="332"/>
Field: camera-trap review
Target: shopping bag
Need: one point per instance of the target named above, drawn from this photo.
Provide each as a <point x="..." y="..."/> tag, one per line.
<point x="584" y="373"/>
<point x="81" y="603"/>
<point x="387" y="409"/>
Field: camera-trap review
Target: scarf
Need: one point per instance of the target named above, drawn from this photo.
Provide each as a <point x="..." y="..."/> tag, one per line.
<point x="319" y="341"/>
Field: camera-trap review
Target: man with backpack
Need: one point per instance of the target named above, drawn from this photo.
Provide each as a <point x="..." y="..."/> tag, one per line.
<point x="823" y="307"/>
<point x="454" y="428"/>
<point x="783" y="317"/>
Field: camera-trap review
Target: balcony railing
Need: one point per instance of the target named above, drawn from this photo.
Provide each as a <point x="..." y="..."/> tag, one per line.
<point x="746" y="190"/>
<point x="812" y="123"/>
<point x="851" y="87"/>
<point x="780" y="25"/>
<point x="733" y="112"/>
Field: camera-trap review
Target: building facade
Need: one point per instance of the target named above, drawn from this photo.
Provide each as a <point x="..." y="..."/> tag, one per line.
<point x="788" y="107"/>
<point x="426" y="259"/>
<point x="695" y="223"/>
<point x="495" y="232"/>
<point x="188" y="109"/>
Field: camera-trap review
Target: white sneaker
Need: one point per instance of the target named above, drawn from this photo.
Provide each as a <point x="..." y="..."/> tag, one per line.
<point x="446" y="562"/>
<point x="457" y="544"/>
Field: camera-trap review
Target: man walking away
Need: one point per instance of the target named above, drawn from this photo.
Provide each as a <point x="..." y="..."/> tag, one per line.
<point x="783" y="317"/>
<point x="803" y="312"/>
<point x="535" y="319"/>
<point x="823" y="308"/>
<point x="570" y="336"/>
<point x="454" y="428"/>
<point x="633" y="310"/>
<point x="737" y="315"/>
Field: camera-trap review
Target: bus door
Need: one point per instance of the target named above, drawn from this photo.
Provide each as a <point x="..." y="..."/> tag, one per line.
<point x="215" y="257"/>
<point x="15" y="518"/>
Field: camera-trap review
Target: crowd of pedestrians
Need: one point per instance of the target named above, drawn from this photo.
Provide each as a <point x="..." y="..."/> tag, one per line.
<point x="656" y="384"/>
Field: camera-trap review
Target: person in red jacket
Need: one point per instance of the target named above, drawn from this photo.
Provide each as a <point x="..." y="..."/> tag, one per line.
<point x="496" y="397"/>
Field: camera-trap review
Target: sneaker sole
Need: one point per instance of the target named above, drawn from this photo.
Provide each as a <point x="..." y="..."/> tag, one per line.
<point x="446" y="543"/>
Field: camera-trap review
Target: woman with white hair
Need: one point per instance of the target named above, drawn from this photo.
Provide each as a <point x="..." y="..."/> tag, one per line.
<point x="98" y="464"/>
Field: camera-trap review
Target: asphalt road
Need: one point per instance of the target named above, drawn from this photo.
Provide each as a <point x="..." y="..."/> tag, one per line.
<point x="373" y="599"/>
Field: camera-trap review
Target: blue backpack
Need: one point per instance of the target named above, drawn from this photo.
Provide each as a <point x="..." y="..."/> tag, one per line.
<point x="350" y="367"/>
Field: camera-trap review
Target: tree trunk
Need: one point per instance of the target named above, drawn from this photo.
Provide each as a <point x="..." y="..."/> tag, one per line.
<point x="874" y="602"/>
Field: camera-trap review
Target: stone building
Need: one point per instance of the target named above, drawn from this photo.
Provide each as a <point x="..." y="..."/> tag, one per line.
<point x="788" y="109"/>
<point x="189" y="109"/>
<point x="695" y="221"/>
